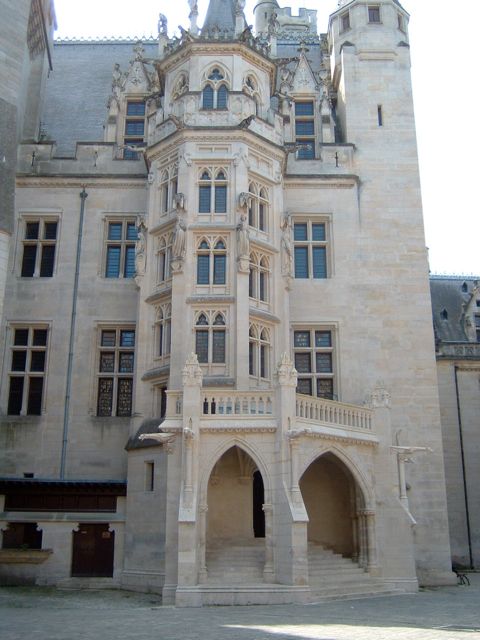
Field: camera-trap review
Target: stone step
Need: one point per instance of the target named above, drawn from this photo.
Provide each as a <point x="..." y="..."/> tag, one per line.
<point x="342" y="590"/>
<point x="340" y="580"/>
<point x="321" y="597"/>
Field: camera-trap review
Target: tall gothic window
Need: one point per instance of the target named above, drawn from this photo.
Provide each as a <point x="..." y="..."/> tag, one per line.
<point x="210" y="338"/>
<point x="212" y="191"/>
<point x="211" y="262"/>
<point x="259" y="348"/>
<point x="258" y="206"/>
<point x="215" y="92"/>
<point x="115" y="371"/>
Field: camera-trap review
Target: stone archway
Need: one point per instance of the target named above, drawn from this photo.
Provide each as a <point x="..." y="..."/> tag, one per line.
<point x="332" y="499"/>
<point x="235" y="552"/>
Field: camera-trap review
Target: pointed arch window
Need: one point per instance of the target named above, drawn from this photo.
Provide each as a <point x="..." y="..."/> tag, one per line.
<point x="163" y="330"/>
<point x="259" y="349"/>
<point x="215" y="92"/>
<point x="258" y="207"/>
<point x="164" y="256"/>
<point x="259" y="284"/>
<point x="210" y="337"/>
<point x="212" y="191"/>
<point x="212" y="262"/>
<point x="168" y="189"/>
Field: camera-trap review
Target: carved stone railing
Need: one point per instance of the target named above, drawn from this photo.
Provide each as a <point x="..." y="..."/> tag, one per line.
<point x="459" y="350"/>
<point x="336" y="414"/>
<point x="224" y="403"/>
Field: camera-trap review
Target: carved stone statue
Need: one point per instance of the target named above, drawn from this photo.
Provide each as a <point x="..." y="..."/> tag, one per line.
<point x="286" y="245"/>
<point x="178" y="246"/>
<point x="140" y="249"/>
<point x="162" y="24"/>
<point x="180" y="201"/>
<point x="243" y="237"/>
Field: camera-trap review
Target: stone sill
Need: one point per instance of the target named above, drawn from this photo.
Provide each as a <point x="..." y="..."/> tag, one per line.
<point x="24" y="556"/>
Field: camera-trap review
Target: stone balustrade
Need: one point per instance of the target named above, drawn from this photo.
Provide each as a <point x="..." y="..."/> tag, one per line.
<point x="332" y="413"/>
<point x="246" y="403"/>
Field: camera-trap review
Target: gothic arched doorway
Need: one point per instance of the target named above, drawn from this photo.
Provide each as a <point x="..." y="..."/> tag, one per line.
<point x="235" y="522"/>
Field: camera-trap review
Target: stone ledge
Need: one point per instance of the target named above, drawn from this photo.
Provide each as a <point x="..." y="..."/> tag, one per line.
<point x="24" y="556"/>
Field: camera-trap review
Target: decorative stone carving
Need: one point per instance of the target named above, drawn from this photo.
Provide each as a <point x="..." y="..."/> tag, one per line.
<point x="286" y="246"/>
<point x="379" y="398"/>
<point x="140" y="249"/>
<point x="165" y="439"/>
<point x="286" y="372"/>
<point x="180" y="201"/>
<point x="244" y="200"/>
<point x="162" y="25"/>
<point x="193" y="16"/>
<point x="243" y="237"/>
<point x="192" y="375"/>
<point x="181" y="86"/>
<point x="179" y="237"/>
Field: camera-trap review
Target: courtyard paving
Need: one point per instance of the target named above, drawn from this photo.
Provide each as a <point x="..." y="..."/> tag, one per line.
<point x="34" y="613"/>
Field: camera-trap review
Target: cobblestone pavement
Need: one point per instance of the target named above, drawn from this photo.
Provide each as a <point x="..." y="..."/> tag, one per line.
<point x="447" y="613"/>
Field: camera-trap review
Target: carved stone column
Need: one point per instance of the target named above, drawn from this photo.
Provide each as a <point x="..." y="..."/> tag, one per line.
<point x="188" y="529"/>
<point x="268" y="570"/>
<point x="355" y="554"/>
<point x="202" y="546"/>
<point x="369" y="517"/>
<point x="362" y="540"/>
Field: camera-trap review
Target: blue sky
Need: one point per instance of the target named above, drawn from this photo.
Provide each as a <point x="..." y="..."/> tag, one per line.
<point x="445" y="79"/>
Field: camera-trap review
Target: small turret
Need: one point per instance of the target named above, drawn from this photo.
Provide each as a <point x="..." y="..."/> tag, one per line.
<point x="264" y="15"/>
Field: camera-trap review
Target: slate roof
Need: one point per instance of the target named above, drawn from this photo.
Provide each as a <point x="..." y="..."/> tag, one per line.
<point x="221" y="14"/>
<point x="449" y="294"/>
<point x="78" y="89"/>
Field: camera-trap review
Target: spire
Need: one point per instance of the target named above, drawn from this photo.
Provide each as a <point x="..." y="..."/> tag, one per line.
<point x="221" y="17"/>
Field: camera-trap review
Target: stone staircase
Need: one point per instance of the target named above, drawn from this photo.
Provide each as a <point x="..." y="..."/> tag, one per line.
<point x="234" y="562"/>
<point x="331" y="577"/>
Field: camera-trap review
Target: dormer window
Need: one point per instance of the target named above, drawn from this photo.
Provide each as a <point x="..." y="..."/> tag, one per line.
<point x="134" y="128"/>
<point x="215" y="92"/>
<point x="305" y="130"/>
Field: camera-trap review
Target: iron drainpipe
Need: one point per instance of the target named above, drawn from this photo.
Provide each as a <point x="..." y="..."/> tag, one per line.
<point x="462" y="453"/>
<point x="66" y="410"/>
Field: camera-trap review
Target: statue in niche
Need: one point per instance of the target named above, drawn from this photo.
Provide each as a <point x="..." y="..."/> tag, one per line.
<point x="140" y="249"/>
<point x="286" y="245"/>
<point x="179" y="237"/>
<point x="243" y="236"/>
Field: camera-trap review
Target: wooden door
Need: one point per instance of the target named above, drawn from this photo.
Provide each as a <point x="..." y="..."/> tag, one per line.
<point x="92" y="552"/>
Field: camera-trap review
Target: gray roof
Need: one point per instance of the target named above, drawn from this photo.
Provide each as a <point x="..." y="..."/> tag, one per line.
<point x="78" y="89"/>
<point x="149" y="425"/>
<point x="221" y="14"/>
<point x="449" y="295"/>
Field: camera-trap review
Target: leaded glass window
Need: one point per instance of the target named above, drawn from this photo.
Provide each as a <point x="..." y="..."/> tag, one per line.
<point x="314" y="361"/>
<point x="116" y="359"/>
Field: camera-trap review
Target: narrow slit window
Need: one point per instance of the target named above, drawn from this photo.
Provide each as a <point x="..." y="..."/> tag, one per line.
<point x="380" y="115"/>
